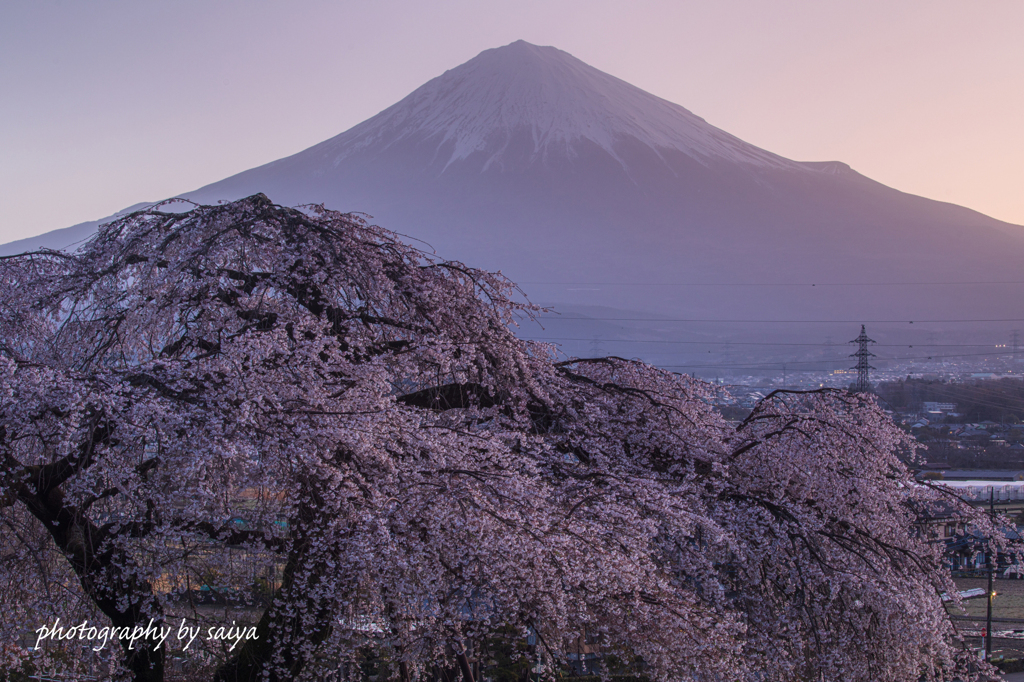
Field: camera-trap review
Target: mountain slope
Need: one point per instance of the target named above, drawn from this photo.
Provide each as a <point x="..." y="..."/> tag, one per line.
<point x="483" y="105"/>
<point x="591" y="192"/>
<point x="528" y="160"/>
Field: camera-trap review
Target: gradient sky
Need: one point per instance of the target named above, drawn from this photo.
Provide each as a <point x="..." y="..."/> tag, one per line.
<point x="106" y="103"/>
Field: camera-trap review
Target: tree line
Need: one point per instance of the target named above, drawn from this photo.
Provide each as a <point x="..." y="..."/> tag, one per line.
<point x="998" y="400"/>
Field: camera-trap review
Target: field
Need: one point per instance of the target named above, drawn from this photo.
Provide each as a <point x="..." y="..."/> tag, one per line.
<point x="1007" y="604"/>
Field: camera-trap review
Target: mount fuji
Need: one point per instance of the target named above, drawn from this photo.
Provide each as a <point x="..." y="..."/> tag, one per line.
<point x="608" y="202"/>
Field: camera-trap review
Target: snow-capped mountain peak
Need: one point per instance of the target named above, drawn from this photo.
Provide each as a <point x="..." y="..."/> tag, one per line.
<point x="544" y="97"/>
<point x="593" y="193"/>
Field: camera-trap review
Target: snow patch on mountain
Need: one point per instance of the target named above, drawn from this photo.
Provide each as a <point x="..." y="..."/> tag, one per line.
<point x="558" y="99"/>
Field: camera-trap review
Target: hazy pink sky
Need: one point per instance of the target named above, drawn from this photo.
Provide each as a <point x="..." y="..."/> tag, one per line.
<point x="107" y="103"/>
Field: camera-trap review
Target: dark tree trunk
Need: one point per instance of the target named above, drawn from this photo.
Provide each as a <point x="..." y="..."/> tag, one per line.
<point x="464" y="666"/>
<point x="105" y="572"/>
<point x="276" y="654"/>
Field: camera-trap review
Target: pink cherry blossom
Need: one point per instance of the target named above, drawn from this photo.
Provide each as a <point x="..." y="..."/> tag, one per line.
<point x="443" y="482"/>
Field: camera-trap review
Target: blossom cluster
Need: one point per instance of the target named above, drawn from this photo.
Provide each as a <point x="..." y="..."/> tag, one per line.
<point x="420" y="478"/>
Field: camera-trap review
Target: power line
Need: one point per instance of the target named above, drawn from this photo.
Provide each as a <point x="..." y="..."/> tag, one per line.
<point x="766" y="284"/>
<point x="777" y="367"/>
<point x="939" y="357"/>
<point x="777" y="364"/>
<point x="654" y="319"/>
<point x="948" y="394"/>
<point x="764" y="343"/>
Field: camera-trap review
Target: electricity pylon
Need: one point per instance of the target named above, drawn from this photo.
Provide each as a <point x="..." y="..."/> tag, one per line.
<point x="862" y="355"/>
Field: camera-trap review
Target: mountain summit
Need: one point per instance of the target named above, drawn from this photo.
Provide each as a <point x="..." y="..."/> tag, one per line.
<point x="522" y="102"/>
<point x="528" y="160"/>
<point x="591" y="192"/>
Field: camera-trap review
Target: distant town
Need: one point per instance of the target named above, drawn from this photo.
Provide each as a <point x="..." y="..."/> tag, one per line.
<point x="969" y="415"/>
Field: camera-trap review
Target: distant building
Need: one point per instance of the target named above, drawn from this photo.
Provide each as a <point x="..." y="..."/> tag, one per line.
<point x="935" y="466"/>
<point x="978" y="475"/>
<point x="939" y="407"/>
<point x="939" y="520"/>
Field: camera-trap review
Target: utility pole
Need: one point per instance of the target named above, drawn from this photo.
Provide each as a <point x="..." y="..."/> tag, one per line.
<point x="991" y="568"/>
<point x="862" y="355"/>
<point x="1015" y="344"/>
